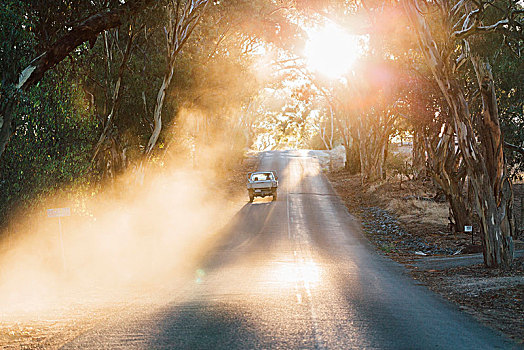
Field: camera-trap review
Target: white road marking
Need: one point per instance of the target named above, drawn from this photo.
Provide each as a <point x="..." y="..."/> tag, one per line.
<point x="303" y="257"/>
<point x="288" y="218"/>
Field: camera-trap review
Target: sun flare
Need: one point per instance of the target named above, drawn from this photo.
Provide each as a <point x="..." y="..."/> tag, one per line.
<point x="331" y="51"/>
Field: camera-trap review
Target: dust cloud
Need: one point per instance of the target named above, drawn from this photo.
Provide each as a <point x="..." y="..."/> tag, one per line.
<point x="130" y="240"/>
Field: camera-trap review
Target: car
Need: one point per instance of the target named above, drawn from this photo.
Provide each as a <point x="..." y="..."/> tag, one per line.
<point x="262" y="184"/>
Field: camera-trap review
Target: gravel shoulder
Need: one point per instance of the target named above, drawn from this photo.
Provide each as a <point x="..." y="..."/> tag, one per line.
<point x="407" y="225"/>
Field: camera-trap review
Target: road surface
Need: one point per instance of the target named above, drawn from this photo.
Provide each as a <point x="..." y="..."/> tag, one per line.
<point x="296" y="274"/>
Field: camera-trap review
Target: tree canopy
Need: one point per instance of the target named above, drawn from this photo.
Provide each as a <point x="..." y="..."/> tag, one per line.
<point x="91" y="90"/>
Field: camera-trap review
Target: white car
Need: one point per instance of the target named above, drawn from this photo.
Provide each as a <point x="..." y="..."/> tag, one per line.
<point x="262" y="184"/>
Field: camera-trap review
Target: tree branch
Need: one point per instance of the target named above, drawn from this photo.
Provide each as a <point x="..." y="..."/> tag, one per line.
<point x="514" y="148"/>
<point x="87" y="30"/>
<point x="461" y="34"/>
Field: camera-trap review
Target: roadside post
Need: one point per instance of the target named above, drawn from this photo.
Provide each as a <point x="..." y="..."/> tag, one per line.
<point x="469" y="229"/>
<point x="58" y="213"/>
<point x="521" y="213"/>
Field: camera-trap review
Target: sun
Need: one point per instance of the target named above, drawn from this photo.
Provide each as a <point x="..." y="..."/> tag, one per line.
<point x="331" y="51"/>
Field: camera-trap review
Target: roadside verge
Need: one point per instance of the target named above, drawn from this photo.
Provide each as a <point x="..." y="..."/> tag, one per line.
<point x="407" y="226"/>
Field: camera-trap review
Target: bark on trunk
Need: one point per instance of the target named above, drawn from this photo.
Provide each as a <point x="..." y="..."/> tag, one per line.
<point x="353" y="157"/>
<point x="117" y="155"/>
<point x="157" y="115"/>
<point x="331" y="131"/>
<point x="351" y="145"/>
<point x="372" y="156"/>
<point x="322" y="130"/>
<point x="494" y="195"/>
<point x="447" y="169"/>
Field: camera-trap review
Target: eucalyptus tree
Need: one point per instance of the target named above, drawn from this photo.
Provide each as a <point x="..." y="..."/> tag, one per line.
<point x="109" y="155"/>
<point x="434" y="150"/>
<point x="84" y="25"/>
<point x="183" y="17"/>
<point x="508" y="72"/>
<point x="445" y="41"/>
<point x="450" y="37"/>
<point x="448" y="34"/>
<point x="51" y="131"/>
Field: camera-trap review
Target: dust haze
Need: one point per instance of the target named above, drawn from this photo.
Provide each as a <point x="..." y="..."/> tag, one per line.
<point x="142" y="235"/>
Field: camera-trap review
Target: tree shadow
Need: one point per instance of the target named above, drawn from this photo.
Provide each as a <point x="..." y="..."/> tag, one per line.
<point x="204" y="325"/>
<point x="241" y="230"/>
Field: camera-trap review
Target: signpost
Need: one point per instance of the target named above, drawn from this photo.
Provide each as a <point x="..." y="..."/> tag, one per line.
<point x="58" y="213"/>
<point x="469" y="229"/>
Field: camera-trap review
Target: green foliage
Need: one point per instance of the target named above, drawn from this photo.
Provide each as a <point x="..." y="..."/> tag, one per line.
<point x="388" y="247"/>
<point x="16" y="40"/>
<point x="508" y="71"/>
<point x="52" y="143"/>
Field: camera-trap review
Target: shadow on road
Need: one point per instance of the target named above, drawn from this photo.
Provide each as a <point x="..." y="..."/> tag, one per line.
<point x="243" y="228"/>
<point x="201" y="325"/>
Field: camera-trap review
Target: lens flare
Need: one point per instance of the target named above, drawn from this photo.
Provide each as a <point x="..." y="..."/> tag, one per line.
<point x="331" y="51"/>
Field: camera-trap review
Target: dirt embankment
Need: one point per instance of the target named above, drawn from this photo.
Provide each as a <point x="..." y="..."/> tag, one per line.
<point x="405" y="222"/>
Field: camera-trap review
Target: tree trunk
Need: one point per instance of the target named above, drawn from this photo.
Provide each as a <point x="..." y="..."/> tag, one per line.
<point x="373" y="134"/>
<point x="460" y="212"/>
<point x="418" y="154"/>
<point x="331" y="117"/>
<point x="352" y="148"/>
<point x="6" y="121"/>
<point x="322" y="130"/>
<point x="494" y="191"/>
<point x="446" y="167"/>
<point x="109" y="120"/>
<point x="181" y="24"/>
<point x="484" y="161"/>
<point x="157" y="115"/>
<point x="372" y="155"/>
<point x="353" y="157"/>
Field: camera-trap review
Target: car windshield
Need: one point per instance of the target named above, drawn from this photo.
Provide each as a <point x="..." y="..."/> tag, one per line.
<point x="261" y="177"/>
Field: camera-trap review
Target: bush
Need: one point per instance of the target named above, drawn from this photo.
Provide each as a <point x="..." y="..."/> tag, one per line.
<point x="398" y="164"/>
<point x="51" y="146"/>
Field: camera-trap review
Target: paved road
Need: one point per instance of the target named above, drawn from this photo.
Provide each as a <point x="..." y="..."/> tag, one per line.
<point x="296" y="274"/>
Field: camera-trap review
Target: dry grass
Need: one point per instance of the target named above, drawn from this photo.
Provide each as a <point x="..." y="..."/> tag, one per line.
<point x="426" y="212"/>
<point x="410" y="202"/>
